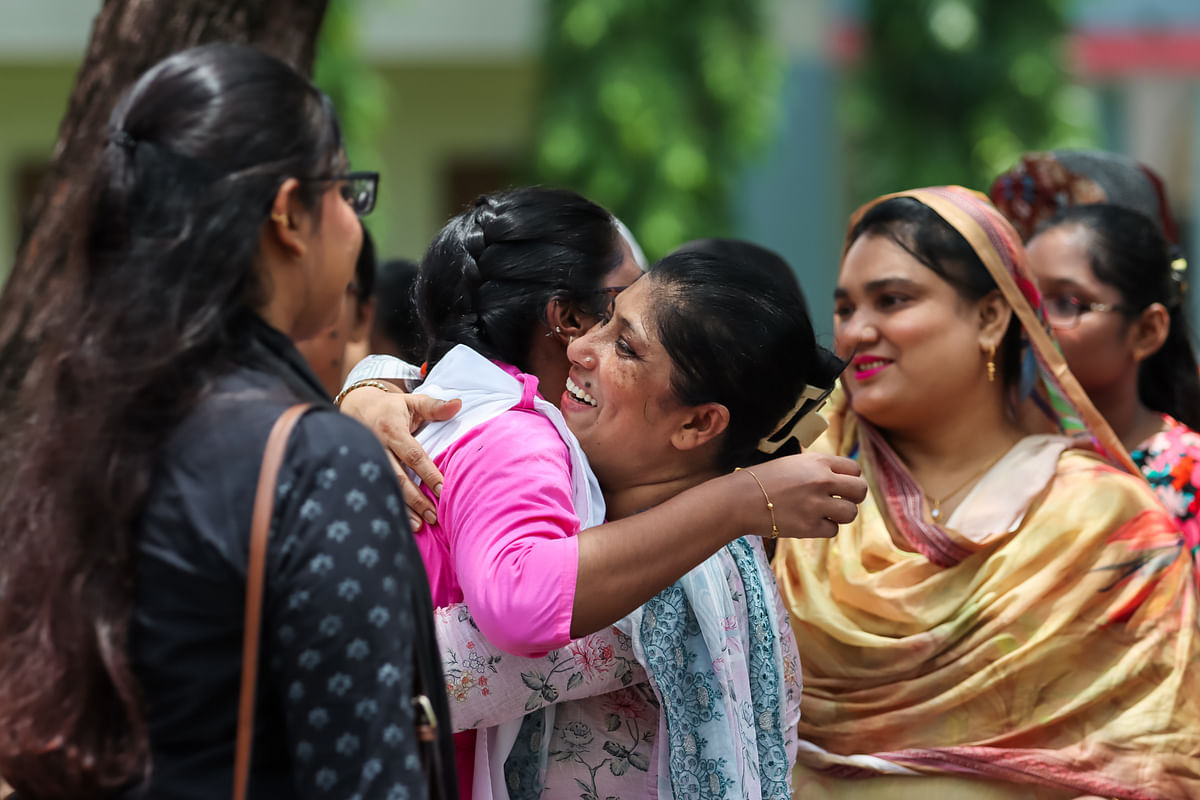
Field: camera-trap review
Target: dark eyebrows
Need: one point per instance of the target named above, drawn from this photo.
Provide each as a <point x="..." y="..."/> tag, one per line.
<point x="623" y="323"/>
<point x="880" y="285"/>
<point x="883" y="284"/>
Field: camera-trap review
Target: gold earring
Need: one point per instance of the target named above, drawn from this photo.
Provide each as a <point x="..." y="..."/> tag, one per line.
<point x="991" y="363"/>
<point x="280" y="217"/>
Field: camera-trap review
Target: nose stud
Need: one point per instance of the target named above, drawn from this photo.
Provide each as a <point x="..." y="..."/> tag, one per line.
<point x="587" y="361"/>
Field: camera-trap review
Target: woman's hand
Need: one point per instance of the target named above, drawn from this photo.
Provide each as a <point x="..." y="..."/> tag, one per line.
<point x="393" y="417"/>
<point x="813" y="493"/>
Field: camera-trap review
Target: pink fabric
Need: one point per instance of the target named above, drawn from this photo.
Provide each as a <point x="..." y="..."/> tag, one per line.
<point x="505" y="539"/>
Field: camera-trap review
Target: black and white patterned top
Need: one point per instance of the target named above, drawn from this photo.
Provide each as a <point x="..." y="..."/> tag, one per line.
<point x="346" y="601"/>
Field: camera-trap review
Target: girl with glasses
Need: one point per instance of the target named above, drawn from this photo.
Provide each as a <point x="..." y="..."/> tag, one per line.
<point x="1114" y="295"/>
<point x="1116" y="305"/>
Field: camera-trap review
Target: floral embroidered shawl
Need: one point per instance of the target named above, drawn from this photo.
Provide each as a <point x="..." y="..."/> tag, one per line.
<point x="701" y="700"/>
<point x="720" y="686"/>
<point x="1061" y="652"/>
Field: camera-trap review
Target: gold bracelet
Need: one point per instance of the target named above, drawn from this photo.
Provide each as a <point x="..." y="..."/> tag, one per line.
<point x="337" y="401"/>
<point x="770" y="506"/>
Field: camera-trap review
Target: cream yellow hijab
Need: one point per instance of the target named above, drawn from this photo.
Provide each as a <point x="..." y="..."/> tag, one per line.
<point x="1060" y="651"/>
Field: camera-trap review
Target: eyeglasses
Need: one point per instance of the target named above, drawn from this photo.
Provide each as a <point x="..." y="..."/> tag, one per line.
<point x="357" y="188"/>
<point x="1063" y="312"/>
<point x="609" y="294"/>
<point x="611" y="291"/>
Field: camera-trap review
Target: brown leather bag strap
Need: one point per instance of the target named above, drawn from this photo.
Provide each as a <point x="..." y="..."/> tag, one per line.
<point x="260" y="528"/>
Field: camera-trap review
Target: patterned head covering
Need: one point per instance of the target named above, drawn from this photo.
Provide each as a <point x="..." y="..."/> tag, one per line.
<point x="1042" y="184"/>
<point x="1056" y="648"/>
<point x="1046" y="381"/>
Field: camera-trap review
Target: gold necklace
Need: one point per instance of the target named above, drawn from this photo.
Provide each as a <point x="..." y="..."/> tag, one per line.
<point x="935" y="504"/>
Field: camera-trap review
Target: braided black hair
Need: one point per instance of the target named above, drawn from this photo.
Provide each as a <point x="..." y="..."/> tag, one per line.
<point x="488" y="276"/>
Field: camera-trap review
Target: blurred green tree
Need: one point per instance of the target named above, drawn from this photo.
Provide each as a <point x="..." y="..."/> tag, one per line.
<point x="653" y="108"/>
<point x="127" y="38"/>
<point x="357" y="89"/>
<point x="952" y="91"/>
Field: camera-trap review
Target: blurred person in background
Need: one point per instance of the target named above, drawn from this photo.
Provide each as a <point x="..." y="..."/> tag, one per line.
<point x="333" y="352"/>
<point x="397" y="329"/>
<point x="1041" y="184"/>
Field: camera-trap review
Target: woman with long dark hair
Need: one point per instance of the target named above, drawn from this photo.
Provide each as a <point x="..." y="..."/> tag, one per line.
<point x="221" y="223"/>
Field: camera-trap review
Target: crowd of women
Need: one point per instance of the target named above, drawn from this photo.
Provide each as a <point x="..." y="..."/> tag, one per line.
<point x="629" y="531"/>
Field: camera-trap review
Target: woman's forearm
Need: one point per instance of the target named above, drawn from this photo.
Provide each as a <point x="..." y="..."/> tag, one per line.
<point x="623" y="564"/>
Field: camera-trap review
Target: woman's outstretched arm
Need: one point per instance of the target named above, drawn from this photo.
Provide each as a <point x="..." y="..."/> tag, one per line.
<point x="622" y="564"/>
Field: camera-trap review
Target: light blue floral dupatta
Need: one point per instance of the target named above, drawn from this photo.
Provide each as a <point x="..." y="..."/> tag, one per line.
<point x="720" y="687"/>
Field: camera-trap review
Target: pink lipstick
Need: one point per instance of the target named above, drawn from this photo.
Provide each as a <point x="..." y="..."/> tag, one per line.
<point x="867" y="366"/>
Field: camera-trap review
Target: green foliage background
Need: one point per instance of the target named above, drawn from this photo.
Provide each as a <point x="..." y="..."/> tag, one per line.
<point x="653" y="109"/>
<point x="952" y="91"/>
<point x="358" y="92"/>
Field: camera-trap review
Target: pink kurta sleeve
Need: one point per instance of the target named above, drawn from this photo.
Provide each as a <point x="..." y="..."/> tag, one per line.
<point x="510" y="522"/>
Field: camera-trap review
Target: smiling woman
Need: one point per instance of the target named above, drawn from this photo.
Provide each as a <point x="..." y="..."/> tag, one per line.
<point x="680" y="381"/>
<point x="663" y="407"/>
<point x="1008" y="617"/>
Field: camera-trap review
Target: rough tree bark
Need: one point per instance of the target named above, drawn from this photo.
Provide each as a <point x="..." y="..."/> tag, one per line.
<point x="128" y="37"/>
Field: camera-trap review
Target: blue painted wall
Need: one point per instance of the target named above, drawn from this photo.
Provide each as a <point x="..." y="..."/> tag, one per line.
<point x="791" y="201"/>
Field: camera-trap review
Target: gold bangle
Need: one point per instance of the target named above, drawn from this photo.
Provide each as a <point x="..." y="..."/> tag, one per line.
<point x="337" y="401"/>
<point x="770" y="506"/>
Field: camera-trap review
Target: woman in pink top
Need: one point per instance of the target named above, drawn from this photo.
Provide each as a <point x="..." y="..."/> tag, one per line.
<point x="517" y="279"/>
<point x="616" y="728"/>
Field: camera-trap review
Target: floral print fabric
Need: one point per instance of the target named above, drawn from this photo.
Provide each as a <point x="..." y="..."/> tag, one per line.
<point x="595" y="726"/>
<point x="1170" y="460"/>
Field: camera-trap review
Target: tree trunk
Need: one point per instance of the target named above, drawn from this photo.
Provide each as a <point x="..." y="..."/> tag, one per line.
<point x="128" y="37"/>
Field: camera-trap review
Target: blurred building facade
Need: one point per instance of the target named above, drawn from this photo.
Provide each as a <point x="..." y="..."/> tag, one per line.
<point x="461" y="81"/>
